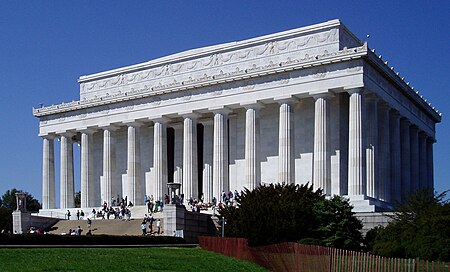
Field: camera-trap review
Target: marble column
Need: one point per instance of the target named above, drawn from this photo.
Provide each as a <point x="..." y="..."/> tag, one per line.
<point x="414" y="147"/>
<point x="66" y="172"/>
<point x="252" y="136"/>
<point x="178" y="155"/>
<point x="134" y="187"/>
<point x="356" y="147"/>
<point x="108" y="177"/>
<point x="190" y="162"/>
<point x="322" y="159"/>
<point x="396" y="156"/>
<point x="384" y="186"/>
<point x="430" y="167"/>
<point x="405" y="157"/>
<point x="423" y="175"/>
<point x="160" y="158"/>
<point x="208" y="133"/>
<point x="372" y="146"/>
<point x="220" y="153"/>
<point x="87" y="170"/>
<point x="48" y="173"/>
<point x="286" y="167"/>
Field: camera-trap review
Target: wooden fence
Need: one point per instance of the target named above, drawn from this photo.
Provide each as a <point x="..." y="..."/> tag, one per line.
<point x="298" y="257"/>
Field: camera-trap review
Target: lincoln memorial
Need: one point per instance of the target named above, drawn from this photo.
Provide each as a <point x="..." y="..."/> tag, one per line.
<point x="312" y="104"/>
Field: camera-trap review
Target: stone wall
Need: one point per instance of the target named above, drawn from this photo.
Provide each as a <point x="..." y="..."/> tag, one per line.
<point x="192" y="224"/>
<point x="22" y="221"/>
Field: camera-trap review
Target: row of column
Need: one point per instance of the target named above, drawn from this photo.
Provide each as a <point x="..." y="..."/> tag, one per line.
<point x="387" y="156"/>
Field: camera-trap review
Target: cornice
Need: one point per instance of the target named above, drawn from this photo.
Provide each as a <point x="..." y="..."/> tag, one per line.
<point x="288" y="64"/>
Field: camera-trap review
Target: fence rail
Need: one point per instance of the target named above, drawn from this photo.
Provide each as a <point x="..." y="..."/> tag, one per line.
<point x="298" y="257"/>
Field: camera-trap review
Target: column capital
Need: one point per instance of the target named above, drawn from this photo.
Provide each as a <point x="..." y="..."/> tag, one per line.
<point x="48" y="136"/>
<point x="87" y="130"/>
<point x="209" y="122"/>
<point x="384" y="105"/>
<point x="162" y="120"/>
<point x="371" y="97"/>
<point x="290" y="100"/>
<point x="177" y="125"/>
<point x="405" y="121"/>
<point x="221" y="110"/>
<point x="325" y="94"/>
<point x="395" y="114"/>
<point x="133" y="123"/>
<point x="252" y="105"/>
<point x="414" y="128"/>
<point x="109" y="127"/>
<point x="422" y="134"/>
<point x="190" y="115"/>
<point x="351" y="91"/>
<point x="67" y="134"/>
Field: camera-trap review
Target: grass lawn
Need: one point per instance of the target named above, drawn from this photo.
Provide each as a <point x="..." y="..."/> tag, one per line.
<point x="115" y="259"/>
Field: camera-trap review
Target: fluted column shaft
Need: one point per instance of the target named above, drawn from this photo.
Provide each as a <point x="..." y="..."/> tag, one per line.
<point x="372" y="147"/>
<point x="220" y="154"/>
<point x="160" y="159"/>
<point x="48" y="174"/>
<point x="356" y="152"/>
<point x="178" y="155"/>
<point x="423" y="182"/>
<point x="430" y="168"/>
<point x="208" y="160"/>
<point x="286" y="169"/>
<point x="134" y="188"/>
<point x="322" y="160"/>
<point x="384" y="186"/>
<point x="396" y="174"/>
<point x="414" y="147"/>
<point x="252" y="164"/>
<point x="406" y="158"/>
<point x="66" y="173"/>
<point x="190" y="163"/>
<point x="109" y="166"/>
<point x="87" y="170"/>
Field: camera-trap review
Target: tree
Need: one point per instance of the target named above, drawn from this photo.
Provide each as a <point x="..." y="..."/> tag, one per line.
<point x="292" y="213"/>
<point x="339" y="227"/>
<point x="9" y="204"/>
<point x="9" y="200"/>
<point x="419" y="229"/>
<point x="77" y="199"/>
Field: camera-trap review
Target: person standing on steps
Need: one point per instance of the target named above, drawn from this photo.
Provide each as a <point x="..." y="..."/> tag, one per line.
<point x="158" y="226"/>
<point x="68" y="215"/>
<point x="144" y="227"/>
<point x="78" y="214"/>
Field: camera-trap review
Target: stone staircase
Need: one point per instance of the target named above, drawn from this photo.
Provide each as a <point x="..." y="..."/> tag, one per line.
<point x="99" y="226"/>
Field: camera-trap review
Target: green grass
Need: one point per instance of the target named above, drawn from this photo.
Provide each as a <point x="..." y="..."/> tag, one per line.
<point x="119" y="259"/>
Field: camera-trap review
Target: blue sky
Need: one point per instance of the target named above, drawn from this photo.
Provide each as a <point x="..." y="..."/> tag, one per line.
<point x="46" y="45"/>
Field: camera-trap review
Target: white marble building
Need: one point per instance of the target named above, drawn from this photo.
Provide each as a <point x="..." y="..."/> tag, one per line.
<point x="312" y="104"/>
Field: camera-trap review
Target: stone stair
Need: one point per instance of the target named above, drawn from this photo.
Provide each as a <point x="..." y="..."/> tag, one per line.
<point x="108" y="227"/>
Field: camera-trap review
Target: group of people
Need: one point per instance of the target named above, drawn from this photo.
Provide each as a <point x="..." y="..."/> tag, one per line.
<point x="148" y="221"/>
<point x="74" y="232"/>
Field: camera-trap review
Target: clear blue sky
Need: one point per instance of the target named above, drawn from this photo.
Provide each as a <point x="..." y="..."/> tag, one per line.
<point x="46" y="45"/>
